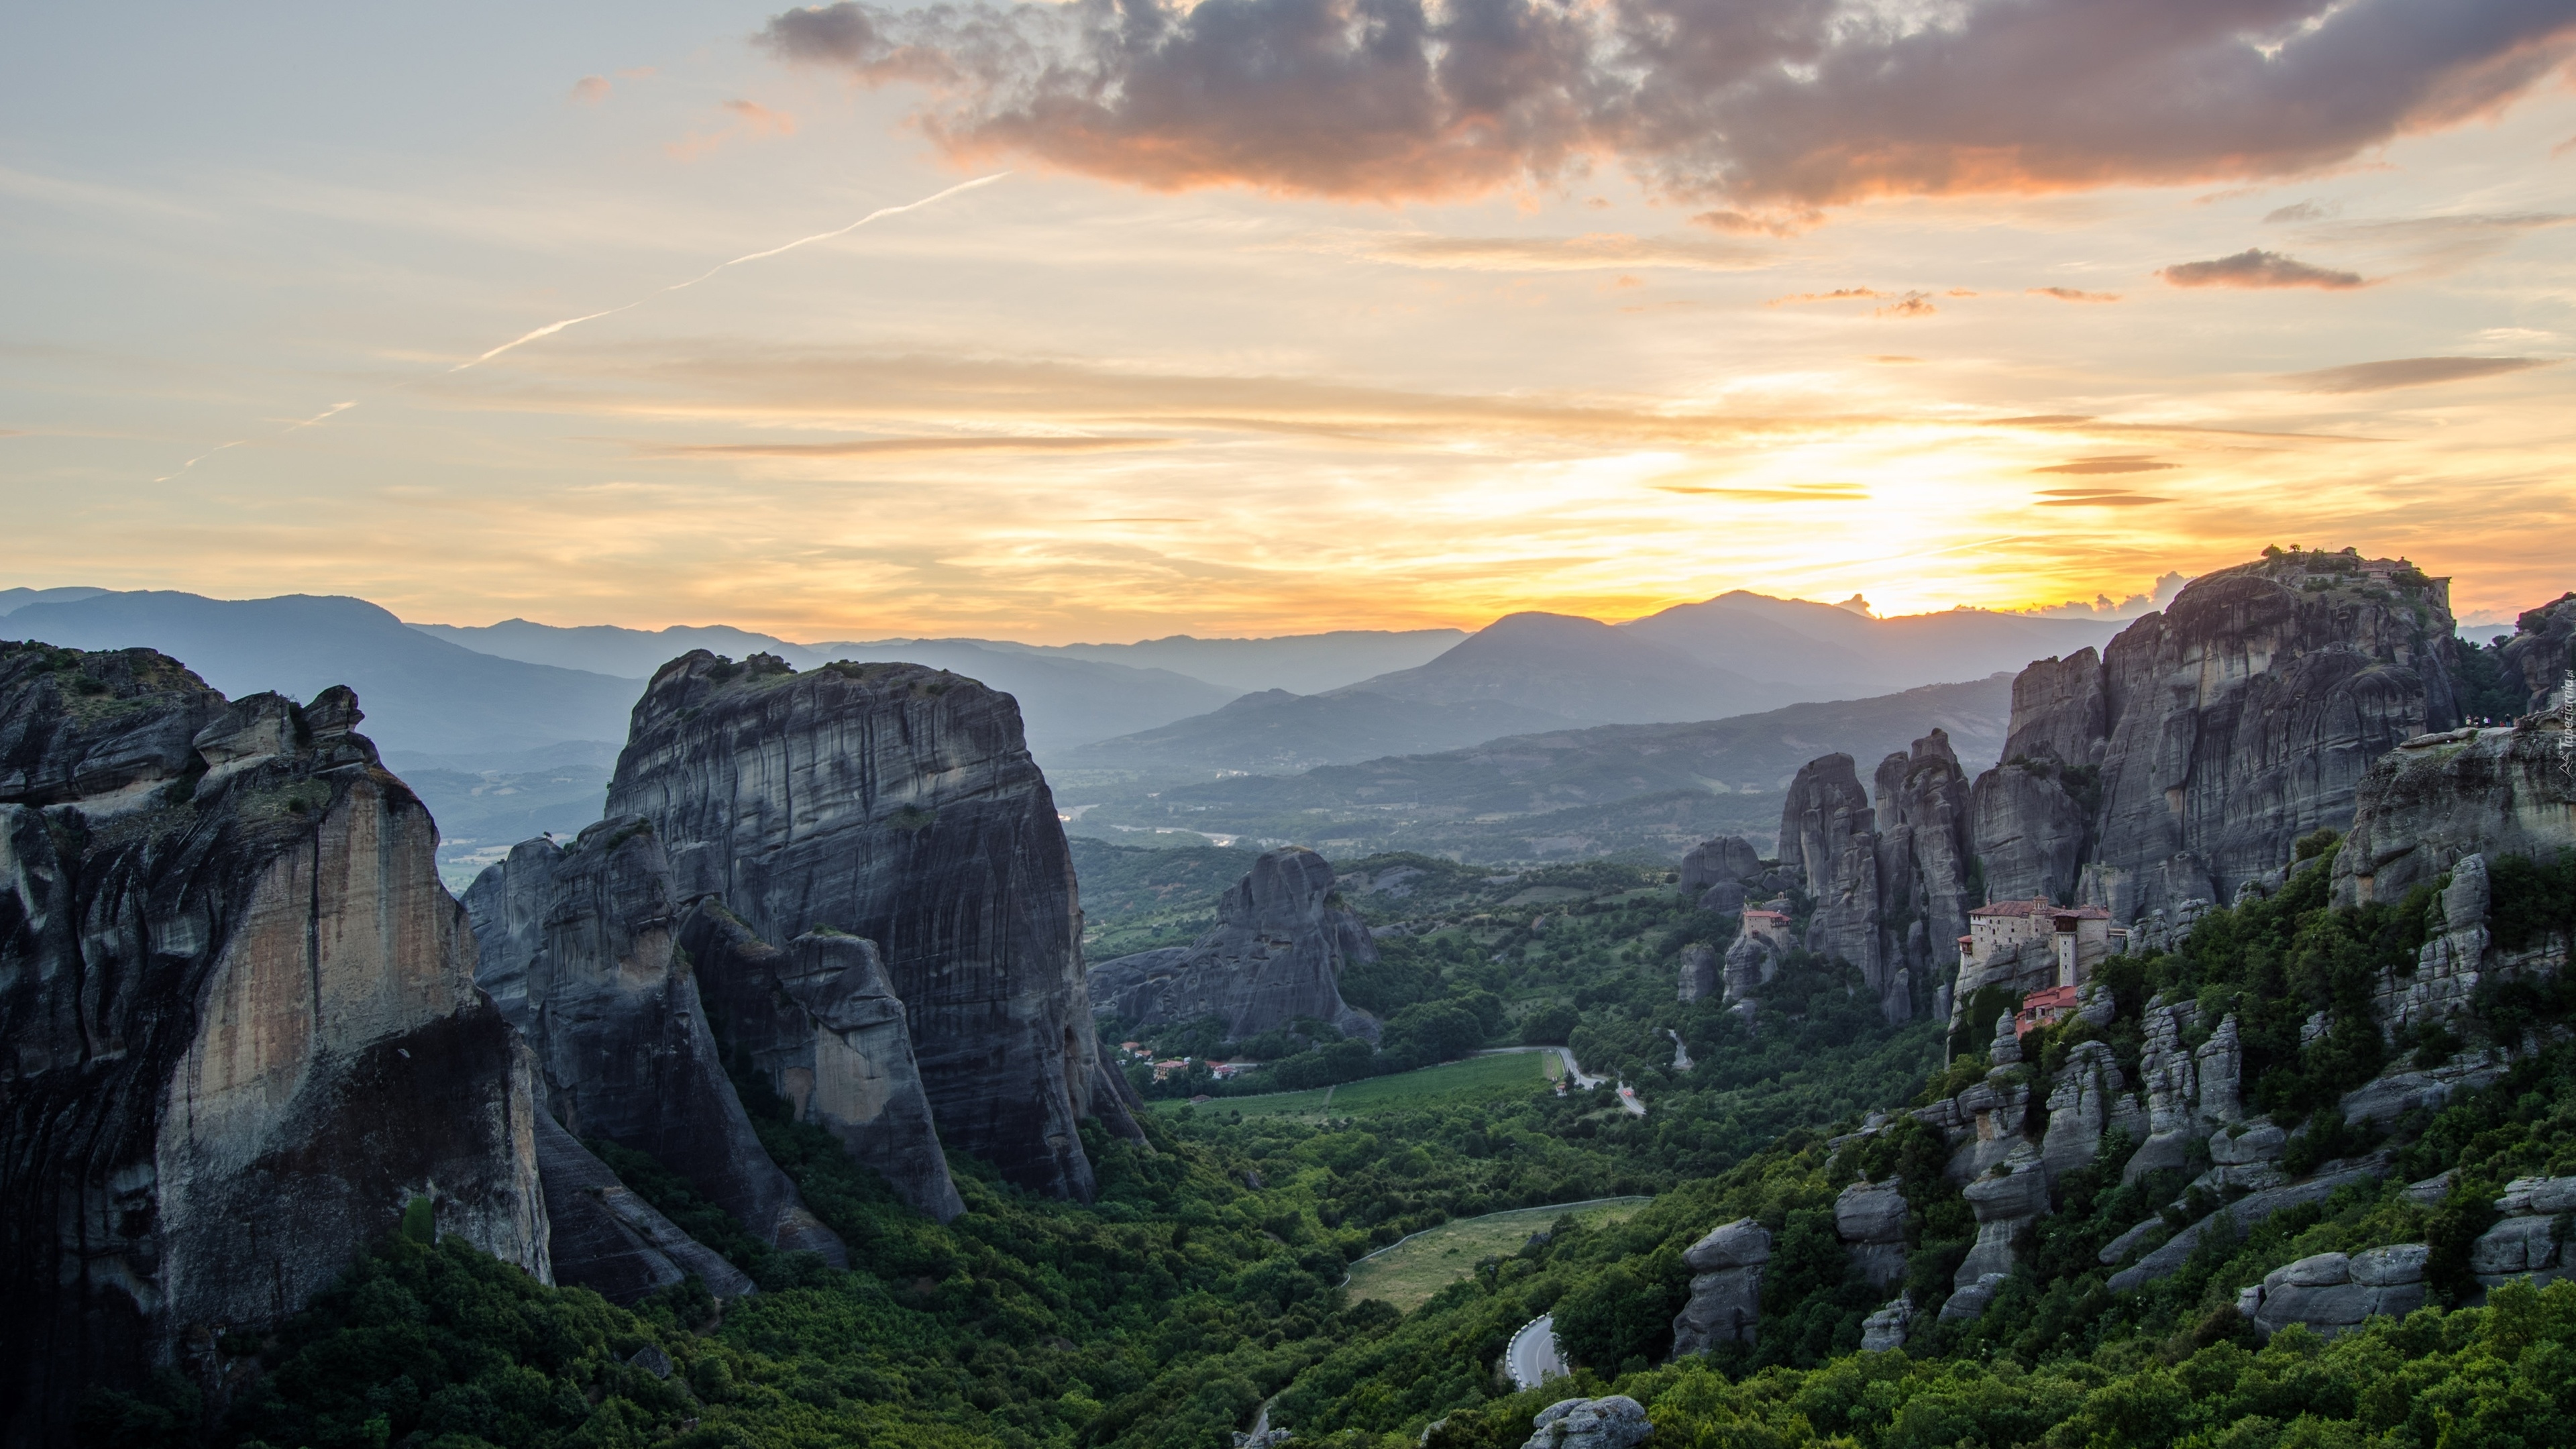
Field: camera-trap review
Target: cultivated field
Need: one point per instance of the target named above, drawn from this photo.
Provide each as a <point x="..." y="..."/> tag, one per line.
<point x="1476" y="1076"/>
<point x="1411" y="1271"/>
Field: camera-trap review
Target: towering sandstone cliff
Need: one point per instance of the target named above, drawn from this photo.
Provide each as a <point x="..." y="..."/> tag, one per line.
<point x="1275" y="954"/>
<point x="576" y="947"/>
<point x="2186" y="761"/>
<point x="897" y="803"/>
<point x="240" y="1023"/>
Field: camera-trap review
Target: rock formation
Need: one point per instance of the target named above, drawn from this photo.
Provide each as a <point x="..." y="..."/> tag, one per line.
<point x="2090" y="1097"/>
<point x="898" y="803"/>
<point x="819" y="1022"/>
<point x="240" y="1025"/>
<point x="601" y="1236"/>
<point x="2541" y="651"/>
<point x="2333" y="1294"/>
<point x="2441" y="797"/>
<point x="2005" y="1204"/>
<point x="1750" y="963"/>
<point x="1726" y="1291"/>
<point x="1699" y="974"/>
<point x="1888" y="1327"/>
<point x="2526" y="1242"/>
<point x="1617" y="1422"/>
<point x="2213" y="735"/>
<point x="576" y="949"/>
<point x="1890" y="882"/>
<point x="1870" y="1219"/>
<point x="1721" y="872"/>
<point x="1275" y="955"/>
<point x="2174" y="1092"/>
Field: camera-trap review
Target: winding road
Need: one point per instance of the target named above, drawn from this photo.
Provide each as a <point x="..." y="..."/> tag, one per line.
<point x="1533" y="1357"/>
<point x="1572" y="1068"/>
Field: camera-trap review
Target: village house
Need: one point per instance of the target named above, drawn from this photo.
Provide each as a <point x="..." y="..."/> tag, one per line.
<point x="1772" y="926"/>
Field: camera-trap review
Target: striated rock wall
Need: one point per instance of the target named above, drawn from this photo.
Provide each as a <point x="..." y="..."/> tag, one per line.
<point x="821" y="1024"/>
<point x="2527" y="1240"/>
<point x="1891" y="882"/>
<point x="2541" y="651"/>
<point x="2217" y="732"/>
<point x="576" y="948"/>
<point x="1275" y="954"/>
<point x="1699" y="973"/>
<point x="2438" y="798"/>
<point x="240" y="1027"/>
<point x="898" y="803"/>
<point x="602" y="1237"/>
<point x="2334" y="1294"/>
<point x="1870" y="1219"/>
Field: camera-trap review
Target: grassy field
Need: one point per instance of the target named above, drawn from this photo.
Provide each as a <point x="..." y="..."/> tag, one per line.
<point x="1476" y="1076"/>
<point x="1411" y="1271"/>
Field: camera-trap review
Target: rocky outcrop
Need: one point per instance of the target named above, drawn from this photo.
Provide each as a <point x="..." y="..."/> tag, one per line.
<point x="2005" y="1204"/>
<point x="2238" y="1216"/>
<point x="1274" y="956"/>
<point x="1721" y="873"/>
<point x="2089" y="1098"/>
<point x="602" y="1237"/>
<point x="1617" y="1422"/>
<point x="1699" y="973"/>
<point x="2334" y="1294"/>
<point x="240" y="1025"/>
<point x="576" y="947"/>
<point x="2438" y="799"/>
<point x="819" y="1022"/>
<point x="1870" y="1219"/>
<point x="2217" y="732"/>
<point x="2543" y="648"/>
<point x="1891" y="881"/>
<point x="2187" y="1092"/>
<point x="2526" y="1242"/>
<point x="1750" y="962"/>
<point x="1726" y="1289"/>
<point x="1888" y="1328"/>
<point x="1983" y="1124"/>
<point x="898" y="803"/>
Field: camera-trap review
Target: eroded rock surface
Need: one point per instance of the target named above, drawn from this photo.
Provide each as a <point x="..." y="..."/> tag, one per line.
<point x="1275" y="954"/>
<point x="1890" y="881"/>
<point x="240" y="1025"/>
<point x="1870" y="1219"/>
<point x="819" y="1021"/>
<point x="1726" y="1291"/>
<point x="1617" y="1422"/>
<point x="2438" y="799"/>
<point x="576" y="946"/>
<point x="2216" y="732"/>
<point x="603" y="1237"/>
<point x="898" y="803"/>
<point x="2334" y="1294"/>
<point x="2526" y="1241"/>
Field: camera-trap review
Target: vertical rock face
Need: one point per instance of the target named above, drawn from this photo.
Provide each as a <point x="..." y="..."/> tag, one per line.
<point x="240" y="1026"/>
<point x="1699" y="973"/>
<point x="1726" y="1293"/>
<point x="2217" y="732"/>
<point x="2542" y="650"/>
<point x="576" y="948"/>
<point x="897" y="803"/>
<point x="2438" y="798"/>
<point x="603" y="1237"/>
<point x="2090" y="1097"/>
<point x="1275" y="954"/>
<point x="820" y="1022"/>
<point x="1890" y="882"/>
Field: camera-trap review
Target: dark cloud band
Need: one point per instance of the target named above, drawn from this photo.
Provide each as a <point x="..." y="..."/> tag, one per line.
<point x="1781" y="105"/>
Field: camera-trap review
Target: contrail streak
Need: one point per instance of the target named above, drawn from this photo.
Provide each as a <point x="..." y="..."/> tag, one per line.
<point x="333" y="410"/>
<point x="551" y="328"/>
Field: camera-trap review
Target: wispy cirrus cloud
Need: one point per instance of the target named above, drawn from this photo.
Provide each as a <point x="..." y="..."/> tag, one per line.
<point x="2409" y="372"/>
<point x="2255" y="267"/>
<point x="2070" y="294"/>
<point x="1780" y="106"/>
<point x="745" y="120"/>
<point x="2120" y="463"/>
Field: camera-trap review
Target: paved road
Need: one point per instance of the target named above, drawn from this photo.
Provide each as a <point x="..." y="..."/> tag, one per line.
<point x="1629" y="1102"/>
<point x="1533" y="1358"/>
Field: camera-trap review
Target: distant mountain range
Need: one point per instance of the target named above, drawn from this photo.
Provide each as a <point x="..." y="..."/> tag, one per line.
<point x="1496" y="798"/>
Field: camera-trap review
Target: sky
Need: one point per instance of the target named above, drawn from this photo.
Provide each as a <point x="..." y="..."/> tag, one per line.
<point x="1276" y="316"/>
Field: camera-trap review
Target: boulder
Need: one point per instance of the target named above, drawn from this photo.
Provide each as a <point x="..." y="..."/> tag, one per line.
<point x="239" y="1019"/>
<point x="2388" y="1097"/>
<point x="897" y="803"/>
<point x="2527" y="1242"/>
<point x="1617" y="1422"/>
<point x="1275" y="955"/>
<point x="575" y="945"/>
<point x="1886" y="1329"/>
<point x="819" y="1022"/>
<point x="1726" y="1295"/>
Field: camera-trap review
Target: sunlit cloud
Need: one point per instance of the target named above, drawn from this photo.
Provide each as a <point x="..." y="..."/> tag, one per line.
<point x="745" y="120"/>
<point x="590" y="90"/>
<point x="2070" y="294"/>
